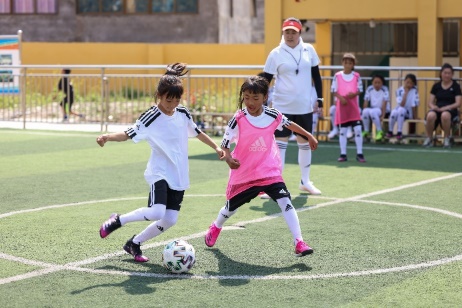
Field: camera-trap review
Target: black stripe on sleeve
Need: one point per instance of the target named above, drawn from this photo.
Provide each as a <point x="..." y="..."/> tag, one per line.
<point x="185" y="111"/>
<point x="271" y="112"/>
<point x="225" y="143"/>
<point x="130" y="133"/>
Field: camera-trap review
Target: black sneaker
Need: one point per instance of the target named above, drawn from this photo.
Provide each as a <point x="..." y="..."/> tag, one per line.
<point x="360" y="158"/>
<point x="112" y="224"/>
<point x="135" y="251"/>
<point x="342" y="158"/>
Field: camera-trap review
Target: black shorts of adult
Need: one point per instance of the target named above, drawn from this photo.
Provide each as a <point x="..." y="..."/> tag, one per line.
<point x="351" y="123"/>
<point x="305" y="121"/>
<point x="275" y="191"/>
<point x="67" y="100"/>
<point x="161" y="193"/>
<point x="454" y="114"/>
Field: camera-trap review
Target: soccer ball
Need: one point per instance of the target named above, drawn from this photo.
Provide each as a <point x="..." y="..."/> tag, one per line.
<point x="178" y="256"/>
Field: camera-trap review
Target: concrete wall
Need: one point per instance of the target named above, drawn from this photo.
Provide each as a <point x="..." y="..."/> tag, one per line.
<point x="67" y="26"/>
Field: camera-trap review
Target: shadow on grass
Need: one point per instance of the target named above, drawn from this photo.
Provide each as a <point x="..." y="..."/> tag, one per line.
<point x="270" y="207"/>
<point x="135" y="284"/>
<point x="230" y="267"/>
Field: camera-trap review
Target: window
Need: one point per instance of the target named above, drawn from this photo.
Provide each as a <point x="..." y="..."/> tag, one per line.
<point x="28" y="6"/>
<point x="136" y="6"/>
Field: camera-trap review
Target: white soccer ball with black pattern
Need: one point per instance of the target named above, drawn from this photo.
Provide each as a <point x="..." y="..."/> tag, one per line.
<point x="178" y="256"/>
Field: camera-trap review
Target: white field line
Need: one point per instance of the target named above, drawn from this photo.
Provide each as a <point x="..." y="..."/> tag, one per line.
<point x="75" y="265"/>
<point x="90" y="202"/>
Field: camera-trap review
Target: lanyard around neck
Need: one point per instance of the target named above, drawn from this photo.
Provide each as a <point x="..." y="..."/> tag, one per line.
<point x="299" y="59"/>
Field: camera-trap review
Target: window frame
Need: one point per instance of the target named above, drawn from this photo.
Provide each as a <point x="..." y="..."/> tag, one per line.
<point x="12" y="12"/>
<point x="125" y="10"/>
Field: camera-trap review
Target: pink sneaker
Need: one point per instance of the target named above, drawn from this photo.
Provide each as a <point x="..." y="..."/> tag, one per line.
<point x="212" y="235"/>
<point x="302" y="249"/>
<point x="112" y="224"/>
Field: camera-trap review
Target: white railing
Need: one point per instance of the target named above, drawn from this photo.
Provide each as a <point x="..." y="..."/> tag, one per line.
<point x="117" y="94"/>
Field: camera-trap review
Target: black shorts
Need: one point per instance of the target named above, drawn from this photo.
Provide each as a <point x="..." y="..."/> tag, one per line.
<point x="305" y="121"/>
<point x="351" y="123"/>
<point x="67" y="100"/>
<point x="454" y="114"/>
<point x="160" y="193"/>
<point x="275" y="191"/>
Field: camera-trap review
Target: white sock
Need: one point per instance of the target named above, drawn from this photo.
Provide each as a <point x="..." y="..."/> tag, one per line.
<point x="282" y="145"/>
<point x="358" y="139"/>
<point x="304" y="161"/>
<point x="342" y="139"/>
<point x="223" y="216"/>
<point x="291" y="217"/>
<point x="170" y="218"/>
<point x="155" y="212"/>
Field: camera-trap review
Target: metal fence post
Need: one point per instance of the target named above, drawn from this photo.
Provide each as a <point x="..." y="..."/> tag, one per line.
<point x="22" y="90"/>
<point x="103" y="100"/>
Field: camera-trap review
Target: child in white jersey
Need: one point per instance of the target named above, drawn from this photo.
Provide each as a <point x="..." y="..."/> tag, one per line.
<point x="375" y="106"/>
<point x="255" y="162"/>
<point x="346" y="87"/>
<point x="166" y="127"/>
<point x="407" y="100"/>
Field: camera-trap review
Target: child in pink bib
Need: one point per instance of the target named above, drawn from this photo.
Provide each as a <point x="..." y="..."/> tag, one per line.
<point x="255" y="162"/>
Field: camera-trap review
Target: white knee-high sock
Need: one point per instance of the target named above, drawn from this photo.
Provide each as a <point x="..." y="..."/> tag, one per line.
<point x="304" y="161"/>
<point x="155" y="212"/>
<point x="358" y="139"/>
<point x="291" y="217"/>
<point x="342" y="140"/>
<point x="282" y="145"/>
<point x="223" y="215"/>
<point x="170" y="218"/>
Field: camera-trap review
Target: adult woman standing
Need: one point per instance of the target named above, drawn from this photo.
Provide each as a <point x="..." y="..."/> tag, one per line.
<point x="444" y="102"/>
<point x="294" y="64"/>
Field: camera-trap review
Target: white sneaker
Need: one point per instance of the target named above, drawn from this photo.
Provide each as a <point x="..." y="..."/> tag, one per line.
<point x="309" y="187"/>
<point x="349" y="132"/>
<point x="427" y="143"/>
<point x="447" y="143"/>
<point x="332" y="133"/>
<point x="264" y="196"/>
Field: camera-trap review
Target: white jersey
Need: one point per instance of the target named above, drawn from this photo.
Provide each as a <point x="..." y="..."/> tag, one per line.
<point x="292" y="68"/>
<point x="168" y="138"/>
<point x="377" y="97"/>
<point x="263" y="120"/>
<point x="412" y="99"/>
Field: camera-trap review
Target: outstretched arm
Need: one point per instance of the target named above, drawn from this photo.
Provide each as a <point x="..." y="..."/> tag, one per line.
<point x="208" y="141"/>
<point x="299" y="130"/>
<point x="120" y="136"/>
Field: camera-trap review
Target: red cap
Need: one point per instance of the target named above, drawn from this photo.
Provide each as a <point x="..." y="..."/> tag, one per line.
<point x="291" y="24"/>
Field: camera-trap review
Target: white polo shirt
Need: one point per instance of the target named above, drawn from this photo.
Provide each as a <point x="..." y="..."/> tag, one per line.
<point x="292" y="91"/>
<point x="168" y="138"/>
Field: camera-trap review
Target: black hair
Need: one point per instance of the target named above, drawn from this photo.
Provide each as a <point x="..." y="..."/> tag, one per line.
<point x="379" y="77"/>
<point x="67" y="71"/>
<point x="255" y="85"/>
<point x="445" y="66"/>
<point x="170" y="83"/>
<point x="412" y="77"/>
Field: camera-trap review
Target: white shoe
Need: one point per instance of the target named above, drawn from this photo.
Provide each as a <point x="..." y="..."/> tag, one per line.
<point x="447" y="143"/>
<point x="427" y="143"/>
<point x="332" y="133"/>
<point x="264" y="196"/>
<point x="349" y="132"/>
<point x="309" y="187"/>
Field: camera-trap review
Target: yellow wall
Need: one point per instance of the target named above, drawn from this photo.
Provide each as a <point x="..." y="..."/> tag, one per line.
<point x="142" y="54"/>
